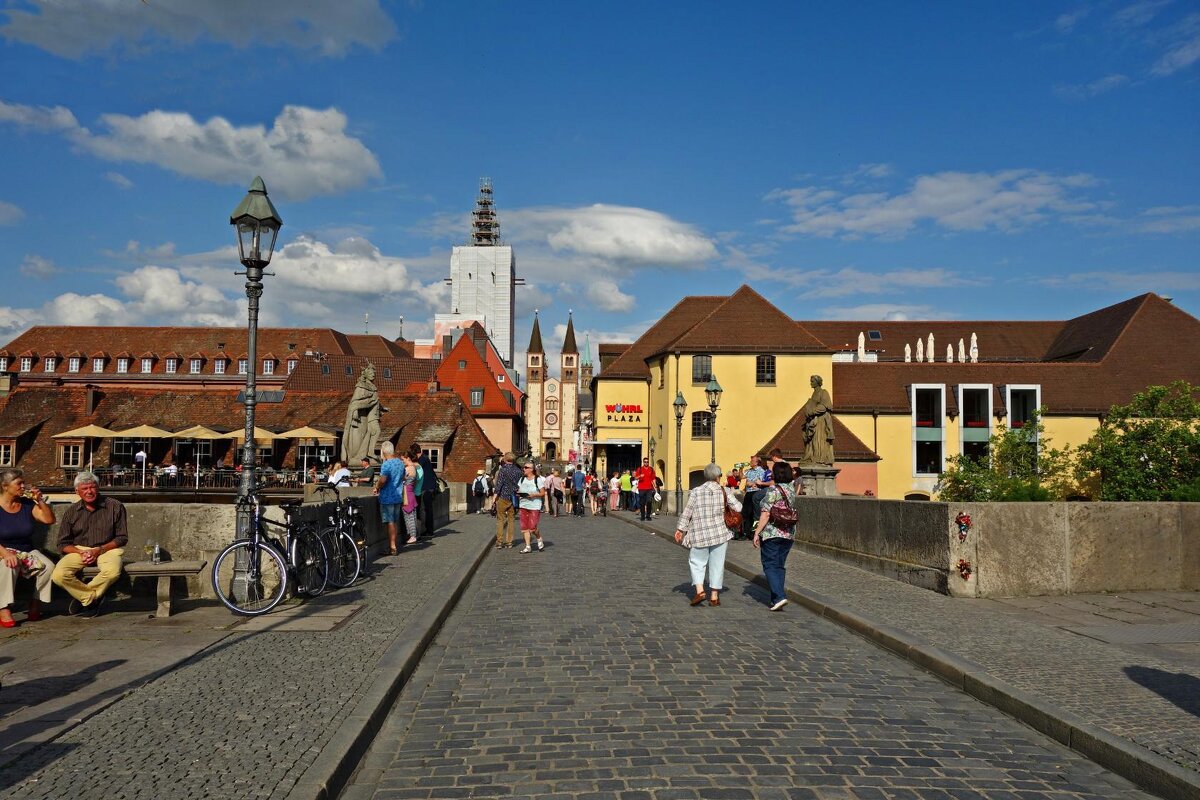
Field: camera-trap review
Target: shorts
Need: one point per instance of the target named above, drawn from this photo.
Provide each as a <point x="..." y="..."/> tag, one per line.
<point x="389" y="512"/>
<point x="530" y="519"/>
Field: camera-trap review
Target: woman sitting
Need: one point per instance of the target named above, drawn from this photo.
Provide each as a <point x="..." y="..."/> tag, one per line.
<point x="18" y="558"/>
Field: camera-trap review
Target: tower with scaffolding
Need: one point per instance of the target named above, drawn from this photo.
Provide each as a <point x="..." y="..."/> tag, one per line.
<point x="483" y="279"/>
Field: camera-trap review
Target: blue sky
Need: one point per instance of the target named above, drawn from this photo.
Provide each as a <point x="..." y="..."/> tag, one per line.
<point x="864" y="161"/>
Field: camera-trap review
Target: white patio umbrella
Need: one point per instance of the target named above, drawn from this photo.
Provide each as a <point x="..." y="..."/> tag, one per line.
<point x="87" y="432"/>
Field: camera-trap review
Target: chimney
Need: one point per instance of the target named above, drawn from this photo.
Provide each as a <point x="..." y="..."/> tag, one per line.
<point x="447" y="344"/>
<point x="433" y="387"/>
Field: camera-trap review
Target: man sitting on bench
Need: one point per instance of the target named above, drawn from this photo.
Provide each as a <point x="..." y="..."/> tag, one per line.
<point x="92" y="531"/>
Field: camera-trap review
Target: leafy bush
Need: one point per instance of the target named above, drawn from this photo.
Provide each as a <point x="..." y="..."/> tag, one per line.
<point x="1021" y="467"/>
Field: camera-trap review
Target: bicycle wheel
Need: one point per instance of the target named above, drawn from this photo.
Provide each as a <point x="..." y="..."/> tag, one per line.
<point x="310" y="563"/>
<point x="249" y="579"/>
<point x="344" y="562"/>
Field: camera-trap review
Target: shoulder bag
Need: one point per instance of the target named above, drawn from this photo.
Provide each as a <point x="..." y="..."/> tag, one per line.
<point x="733" y="519"/>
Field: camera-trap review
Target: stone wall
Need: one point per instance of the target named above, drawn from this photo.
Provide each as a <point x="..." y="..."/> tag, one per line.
<point x="192" y="531"/>
<point x="1011" y="549"/>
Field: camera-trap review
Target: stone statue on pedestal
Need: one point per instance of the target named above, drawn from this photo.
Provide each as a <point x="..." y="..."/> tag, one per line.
<point x="362" y="419"/>
<point x="818" y="426"/>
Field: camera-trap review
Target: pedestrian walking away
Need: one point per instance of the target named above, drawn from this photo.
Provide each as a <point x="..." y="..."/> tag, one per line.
<point x="504" y="500"/>
<point x="530" y="492"/>
<point x="578" y="481"/>
<point x="645" y="476"/>
<point x="701" y="529"/>
<point x="481" y="490"/>
<point x="775" y="531"/>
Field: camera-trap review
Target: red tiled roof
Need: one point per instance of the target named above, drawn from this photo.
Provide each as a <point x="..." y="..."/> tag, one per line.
<point x="374" y="346"/>
<point x="329" y="373"/>
<point x="746" y="321"/>
<point x="676" y="322"/>
<point x="998" y="341"/>
<point x="1088" y="338"/>
<point x="475" y="374"/>
<point x="790" y="440"/>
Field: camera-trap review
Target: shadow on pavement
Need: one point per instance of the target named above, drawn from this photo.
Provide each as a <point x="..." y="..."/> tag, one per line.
<point x="1179" y="688"/>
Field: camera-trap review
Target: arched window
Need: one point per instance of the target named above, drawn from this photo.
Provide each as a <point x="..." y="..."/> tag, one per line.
<point x="701" y="425"/>
<point x="552" y="404"/>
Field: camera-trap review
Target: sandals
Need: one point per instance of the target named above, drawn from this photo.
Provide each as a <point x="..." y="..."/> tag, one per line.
<point x="699" y="598"/>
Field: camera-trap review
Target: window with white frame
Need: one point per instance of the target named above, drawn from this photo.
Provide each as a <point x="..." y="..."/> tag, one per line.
<point x="3" y="363"/>
<point x="929" y="428"/>
<point x="243" y="366"/>
<point x="476" y="397"/>
<point x="194" y="366"/>
<point x="291" y="365"/>
<point x="172" y="365"/>
<point x="122" y="365"/>
<point x="1022" y="401"/>
<point x="975" y="419"/>
<point x="434" y="454"/>
<point x="268" y="367"/>
<point x="73" y="364"/>
<point x="500" y="379"/>
<point x="70" y="455"/>
<point x="219" y="366"/>
<point x="26" y="364"/>
<point x="147" y="365"/>
<point x="97" y="365"/>
<point x="49" y="363"/>
<point x="6" y="454"/>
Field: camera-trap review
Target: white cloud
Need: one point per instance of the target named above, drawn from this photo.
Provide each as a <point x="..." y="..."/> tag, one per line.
<point x="608" y="296"/>
<point x="10" y="214"/>
<point x="15" y="321"/>
<point x="1131" y="281"/>
<point x="851" y="280"/>
<point x="118" y="180"/>
<point x="623" y="236"/>
<point x="1065" y="23"/>
<point x="92" y="309"/>
<point x="1006" y="201"/>
<point x="1168" y="219"/>
<point x="306" y="152"/>
<point x="1138" y="14"/>
<point x="1083" y="91"/>
<point x="1184" y="50"/>
<point x="885" y="311"/>
<point x="162" y="293"/>
<point x="38" y="267"/>
<point x="73" y="28"/>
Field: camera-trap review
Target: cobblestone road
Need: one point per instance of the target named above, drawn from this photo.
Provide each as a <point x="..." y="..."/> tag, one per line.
<point x="246" y="717"/>
<point x="581" y="672"/>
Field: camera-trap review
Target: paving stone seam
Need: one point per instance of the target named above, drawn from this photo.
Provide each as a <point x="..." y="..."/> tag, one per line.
<point x="332" y="769"/>
<point x="1128" y="759"/>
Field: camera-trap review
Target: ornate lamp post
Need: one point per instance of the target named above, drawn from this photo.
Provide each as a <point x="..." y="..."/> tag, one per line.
<point x="680" y="406"/>
<point x="712" y="393"/>
<point x="257" y="224"/>
<point x="652" y="444"/>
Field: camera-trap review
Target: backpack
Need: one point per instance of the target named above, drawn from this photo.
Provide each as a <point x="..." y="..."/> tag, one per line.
<point x="781" y="513"/>
<point x="478" y="489"/>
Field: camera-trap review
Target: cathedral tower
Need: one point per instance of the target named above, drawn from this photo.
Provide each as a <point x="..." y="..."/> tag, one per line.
<point x="535" y="389"/>
<point x="569" y="436"/>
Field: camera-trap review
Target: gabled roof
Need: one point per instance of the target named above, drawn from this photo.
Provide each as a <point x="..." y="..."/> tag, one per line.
<point x="676" y="322"/>
<point x="790" y="440"/>
<point x="747" y="321"/>
<point x="475" y="374"/>
<point x="329" y="373"/>
<point x="1088" y="338"/>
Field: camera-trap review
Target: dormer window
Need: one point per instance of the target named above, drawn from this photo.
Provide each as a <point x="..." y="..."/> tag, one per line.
<point x="194" y="366"/>
<point x="97" y="364"/>
<point x="122" y="365"/>
<point x="26" y="363"/>
<point x="73" y="363"/>
<point x="499" y="379"/>
<point x="268" y="367"/>
<point x="243" y="365"/>
<point x="3" y="363"/>
<point x="292" y="365"/>
<point x="147" y="364"/>
<point x="219" y="366"/>
<point x="49" y="364"/>
<point x="172" y="365"/>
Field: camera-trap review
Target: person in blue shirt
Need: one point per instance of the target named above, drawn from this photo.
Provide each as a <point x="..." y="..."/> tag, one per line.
<point x="388" y="486"/>
<point x="578" y="481"/>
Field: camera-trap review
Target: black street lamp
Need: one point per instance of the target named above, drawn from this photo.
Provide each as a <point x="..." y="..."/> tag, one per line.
<point x="712" y="393"/>
<point x="257" y="223"/>
<point x="680" y="406"/>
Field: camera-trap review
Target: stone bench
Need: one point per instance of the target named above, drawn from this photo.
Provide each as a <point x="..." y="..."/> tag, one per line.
<point x="164" y="571"/>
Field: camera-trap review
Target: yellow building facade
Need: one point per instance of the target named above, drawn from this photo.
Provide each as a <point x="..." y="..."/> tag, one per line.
<point x="898" y="420"/>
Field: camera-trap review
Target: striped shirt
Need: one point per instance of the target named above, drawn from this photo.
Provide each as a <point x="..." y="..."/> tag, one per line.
<point x="84" y="528"/>
<point x="703" y="517"/>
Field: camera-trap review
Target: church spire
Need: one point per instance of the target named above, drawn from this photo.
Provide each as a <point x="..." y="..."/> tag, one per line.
<point x="535" y="339"/>
<point x="569" y="340"/>
<point x="587" y="350"/>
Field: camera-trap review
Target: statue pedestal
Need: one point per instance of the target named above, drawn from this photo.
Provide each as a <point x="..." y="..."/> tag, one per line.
<point x="818" y="480"/>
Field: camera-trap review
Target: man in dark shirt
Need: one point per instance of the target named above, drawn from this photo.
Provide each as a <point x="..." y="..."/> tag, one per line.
<point x="92" y="532"/>
<point x="366" y="475"/>
<point x="429" y="489"/>
<point x="504" y="500"/>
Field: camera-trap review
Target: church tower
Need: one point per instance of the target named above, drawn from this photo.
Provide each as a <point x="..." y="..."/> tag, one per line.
<point x="535" y="371"/>
<point x="570" y="391"/>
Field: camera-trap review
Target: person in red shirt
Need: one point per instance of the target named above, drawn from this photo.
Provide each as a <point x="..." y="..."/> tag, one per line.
<point x="644" y="475"/>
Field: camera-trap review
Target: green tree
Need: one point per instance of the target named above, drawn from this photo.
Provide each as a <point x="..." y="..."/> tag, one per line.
<point x="1149" y="449"/>
<point x="1021" y="466"/>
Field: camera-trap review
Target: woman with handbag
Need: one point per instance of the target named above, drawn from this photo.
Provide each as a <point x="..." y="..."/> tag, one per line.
<point x="775" y="530"/>
<point x="409" y="506"/>
<point x="704" y="528"/>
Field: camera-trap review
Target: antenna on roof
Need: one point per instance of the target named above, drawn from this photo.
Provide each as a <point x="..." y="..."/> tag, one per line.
<point x="366" y="322"/>
<point x="400" y="337"/>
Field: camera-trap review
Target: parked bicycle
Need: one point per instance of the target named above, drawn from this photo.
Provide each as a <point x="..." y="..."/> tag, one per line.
<point x="252" y="575"/>
<point x="344" y="535"/>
